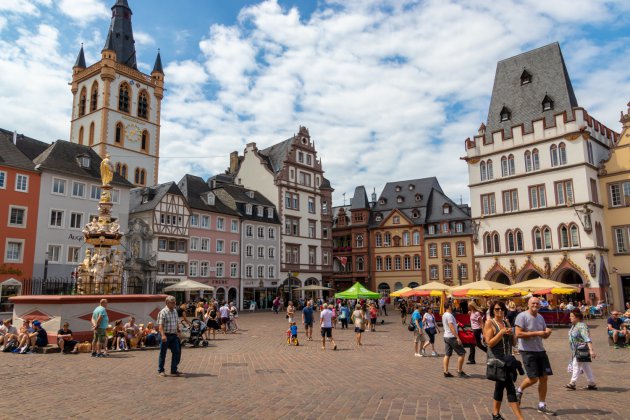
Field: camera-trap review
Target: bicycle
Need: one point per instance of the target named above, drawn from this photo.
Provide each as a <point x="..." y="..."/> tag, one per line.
<point x="292" y="340"/>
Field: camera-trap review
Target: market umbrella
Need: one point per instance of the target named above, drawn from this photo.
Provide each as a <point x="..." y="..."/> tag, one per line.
<point x="541" y="286"/>
<point x="312" y="287"/>
<point x="426" y="289"/>
<point x="188" y="286"/>
<point x="357" y="291"/>
<point x="397" y="293"/>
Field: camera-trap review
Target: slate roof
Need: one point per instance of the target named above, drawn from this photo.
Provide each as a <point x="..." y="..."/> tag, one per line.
<point x="155" y="193"/>
<point x="61" y="156"/>
<point x="435" y="211"/>
<point x="10" y="154"/>
<point x="409" y="205"/>
<point x="120" y="35"/>
<point x="193" y="187"/>
<point x="236" y="197"/>
<point x="359" y="199"/>
<point x="80" y="59"/>
<point x="549" y="77"/>
<point x="157" y="67"/>
<point x="277" y="154"/>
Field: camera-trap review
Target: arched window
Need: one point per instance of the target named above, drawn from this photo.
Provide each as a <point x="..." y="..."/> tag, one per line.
<point x="406" y="239"/>
<point x="360" y="265"/>
<point x="489" y="169"/>
<point x="144" y="144"/>
<point x="378" y="240"/>
<point x="388" y="239"/>
<point x="143" y="176"/>
<point x="91" y="134"/>
<point x="123" y="173"/>
<point x="547" y="238"/>
<point x="82" y="102"/>
<point x="562" y="154"/>
<point x="538" y="244"/>
<point x="504" y="166"/>
<point x="511" y="166"/>
<point x="553" y="150"/>
<point x="528" y="161"/>
<point x="81" y="135"/>
<point x="397" y="265"/>
<point x="143" y="105"/>
<point x="487" y="241"/>
<point x="482" y="169"/>
<point x="94" y="97"/>
<point x="359" y="241"/>
<point x="123" y="98"/>
<point x="510" y="246"/>
<point x="496" y="242"/>
<point x="120" y="133"/>
<point x="136" y="176"/>
<point x="564" y="236"/>
<point x="519" y="240"/>
<point x="574" y="236"/>
<point x="407" y="262"/>
<point x="388" y="263"/>
<point x="535" y="160"/>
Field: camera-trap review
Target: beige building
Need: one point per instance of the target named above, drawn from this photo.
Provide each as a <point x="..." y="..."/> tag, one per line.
<point x="615" y="182"/>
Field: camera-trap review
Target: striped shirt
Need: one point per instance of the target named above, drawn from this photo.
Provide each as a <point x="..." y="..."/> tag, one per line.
<point x="168" y="318"/>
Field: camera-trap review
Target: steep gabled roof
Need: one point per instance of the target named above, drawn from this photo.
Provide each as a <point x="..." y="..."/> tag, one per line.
<point x="277" y="154"/>
<point x="548" y="76"/>
<point x="154" y="196"/>
<point x="10" y="154"/>
<point x="435" y="208"/>
<point x="236" y="196"/>
<point x="193" y="188"/>
<point x="359" y="199"/>
<point x="29" y="146"/>
<point x="414" y="195"/>
<point x="120" y="35"/>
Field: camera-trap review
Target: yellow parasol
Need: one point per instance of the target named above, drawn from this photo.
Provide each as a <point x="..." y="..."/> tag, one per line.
<point x="492" y="293"/>
<point x="427" y="290"/>
<point x="481" y="288"/>
<point x="543" y="286"/>
<point x="398" y="292"/>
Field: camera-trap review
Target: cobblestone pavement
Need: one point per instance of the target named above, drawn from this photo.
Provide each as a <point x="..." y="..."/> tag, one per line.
<point x="254" y="374"/>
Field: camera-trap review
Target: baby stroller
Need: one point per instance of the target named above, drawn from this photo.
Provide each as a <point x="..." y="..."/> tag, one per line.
<point x="194" y="334"/>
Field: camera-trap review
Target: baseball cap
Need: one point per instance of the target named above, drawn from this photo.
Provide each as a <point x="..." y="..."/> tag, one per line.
<point x="37" y="323"/>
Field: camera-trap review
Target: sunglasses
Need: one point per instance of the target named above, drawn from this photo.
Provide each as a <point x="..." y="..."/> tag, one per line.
<point x="498" y="309"/>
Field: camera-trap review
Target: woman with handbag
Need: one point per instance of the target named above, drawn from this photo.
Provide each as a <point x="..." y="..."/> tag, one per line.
<point x="431" y="328"/>
<point x="358" y="319"/>
<point x="500" y="339"/>
<point x="581" y="350"/>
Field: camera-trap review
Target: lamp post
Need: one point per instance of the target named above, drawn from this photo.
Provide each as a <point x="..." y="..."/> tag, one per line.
<point x="45" y="266"/>
<point x="459" y="273"/>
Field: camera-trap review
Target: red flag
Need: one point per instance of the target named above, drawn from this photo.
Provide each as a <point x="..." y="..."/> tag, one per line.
<point x="343" y="260"/>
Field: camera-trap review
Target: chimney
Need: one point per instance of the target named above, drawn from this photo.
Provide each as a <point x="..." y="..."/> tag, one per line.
<point x="14" y="137"/>
<point x="233" y="162"/>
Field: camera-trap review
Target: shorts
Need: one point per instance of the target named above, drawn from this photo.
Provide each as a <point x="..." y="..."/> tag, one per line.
<point x="308" y="324"/>
<point x="40" y="342"/>
<point x="373" y="320"/>
<point x="358" y="330"/>
<point x="69" y="345"/>
<point x="536" y="363"/>
<point x="224" y="320"/>
<point x="452" y="344"/>
<point x="621" y="333"/>
<point x="327" y="332"/>
<point x="99" y="334"/>
<point x="419" y="336"/>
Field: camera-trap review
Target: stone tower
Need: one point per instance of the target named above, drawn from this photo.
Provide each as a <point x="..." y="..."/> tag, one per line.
<point x="116" y="108"/>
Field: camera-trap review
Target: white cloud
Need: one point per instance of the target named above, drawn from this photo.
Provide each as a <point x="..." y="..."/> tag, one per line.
<point x="83" y="11"/>
<point x="26" y="7"/>
<point x="3" y="23"/>
<point x="143" y="38"/>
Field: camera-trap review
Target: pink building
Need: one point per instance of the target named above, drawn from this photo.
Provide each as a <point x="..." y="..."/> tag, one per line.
<point x="214" y="248"/>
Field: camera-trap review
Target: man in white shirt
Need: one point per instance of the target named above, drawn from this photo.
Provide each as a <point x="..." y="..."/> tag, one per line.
<point x="452" y="342"/>
<point x="325" y="322"/>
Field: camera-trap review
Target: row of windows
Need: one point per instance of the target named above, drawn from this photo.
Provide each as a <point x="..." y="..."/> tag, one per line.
<point x="460" y="250"/>
<point x="203" y="221"/>
<point x="407" y="239"/>
<point x="445" y="228"/>
<point x="260" y="211"/>
<point x="203" y="269"/>
<point x="79" y="189"/>
<point x="260" y="271"/>
<point x="21" y="182"/>
<point x="447" y="271"/>
<point x="260" y="252"/>
<point x="568" y="237"/>
<point x="142" y="110"/>
<point x="563" y="191"/>
<point x="260" y="232"/>
<point x="292" y="227"/>
<point x="404" y="263"/>
<point x="292" y="255"/>
<point x="558" y="157"/>
<point x="204" y="245"/>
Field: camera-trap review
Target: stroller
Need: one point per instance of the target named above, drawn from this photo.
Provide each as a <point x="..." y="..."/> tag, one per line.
<point x="194" y="334"/>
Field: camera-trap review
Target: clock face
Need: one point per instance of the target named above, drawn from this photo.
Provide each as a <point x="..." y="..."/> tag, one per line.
<point x="134" y="133"/>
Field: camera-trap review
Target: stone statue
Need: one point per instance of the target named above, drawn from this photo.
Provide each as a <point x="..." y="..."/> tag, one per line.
<point x="107" y="171"/>
<point x="135" y="249"/>
<point x="114" y="227"/>
<point x="99" y="270"/>
<point x="117" y="263"/>
<point x="87" y="261"/>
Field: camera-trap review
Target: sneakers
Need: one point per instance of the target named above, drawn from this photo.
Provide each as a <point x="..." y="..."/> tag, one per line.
<point x="545" y="410"/>
<point x="417" y="355"/>
<point x="497" y="416"/>
<point x="519" y="397"/>
<point x="448" y="375"/>
<point x="434" y="354"/>
<point x="162" y="374"/>
<point x="570" y="386"/>
<point x="591" y="387"/>
<point x="470" y="362"/>
<point x="463" y="374"/>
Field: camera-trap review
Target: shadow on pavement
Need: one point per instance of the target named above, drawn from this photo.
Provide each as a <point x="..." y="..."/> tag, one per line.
<point x="611" y="389"/>
<point x="578" y="411"/>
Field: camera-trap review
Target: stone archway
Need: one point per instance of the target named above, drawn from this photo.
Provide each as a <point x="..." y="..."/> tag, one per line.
<point x="413" y="284"/>
<point x="572" y="277"/>
<point x="500" y="277"/>
<point x="232" y="295"/>
<point x="383" y="289"/>
<point x="219" y="294"/>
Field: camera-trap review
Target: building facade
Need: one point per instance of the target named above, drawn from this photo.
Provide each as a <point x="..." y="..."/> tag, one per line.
<point x="536" y="202"/>
<point x="260" y="242"/>
<point x="291" y="176"/>
<point x="116" y="108"/>
<point x="615" y="187"/>
<point x="215" y="252"/>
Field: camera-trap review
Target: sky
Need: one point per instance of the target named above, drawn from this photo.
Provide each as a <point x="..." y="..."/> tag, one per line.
<point x="389" y="89"/>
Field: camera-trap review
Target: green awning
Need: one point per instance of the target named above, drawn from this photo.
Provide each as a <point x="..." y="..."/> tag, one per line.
<point x="357" y="291"/>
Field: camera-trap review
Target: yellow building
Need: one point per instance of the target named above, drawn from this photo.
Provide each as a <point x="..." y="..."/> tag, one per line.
<point x="615" y="181"/>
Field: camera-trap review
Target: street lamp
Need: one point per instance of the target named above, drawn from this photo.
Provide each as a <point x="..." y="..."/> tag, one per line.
<point x="45" y="266"/>
<point x="459" y="273"/>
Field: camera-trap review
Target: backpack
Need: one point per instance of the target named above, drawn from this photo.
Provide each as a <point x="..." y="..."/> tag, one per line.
<point x="10" y="346"/>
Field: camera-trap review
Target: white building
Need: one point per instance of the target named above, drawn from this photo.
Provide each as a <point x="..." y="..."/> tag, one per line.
<point x="533" y="177"/>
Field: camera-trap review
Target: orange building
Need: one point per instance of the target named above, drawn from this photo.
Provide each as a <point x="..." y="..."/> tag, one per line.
<point x="19" y="199"/>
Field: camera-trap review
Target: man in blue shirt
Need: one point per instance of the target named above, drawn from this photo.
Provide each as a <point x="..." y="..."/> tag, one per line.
<point x="99" y="325"/>
<point x="307" y="320"/>
<point x="418" y="332"/>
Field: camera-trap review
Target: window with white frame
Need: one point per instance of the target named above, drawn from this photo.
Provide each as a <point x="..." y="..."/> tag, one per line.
<point x="249" y="251"/>
<point x="233" y="270"/>
<point x="562" y="154"/>
<point x="194" y="243"/>
<point x="433" y="272"/>
<point x="621" y="236"/>
<point x="564" y="192"/>
<point x="220" y="223"/>
<point x="181" y="269"/>
<point x="260" y="211"/>
<point x="448" y="271"/>
<point x="194" y="220"/>
<point x="378" y="240"/>
<point x="261" y="231"/>
<point x="73" y="254"/>
<point x="387" y="239"/>
<point x="116" y="196"/>
<point x="433" y="251"/>
<point x="220" y="245"/>
<point x="248" y="209"/>
<point x="619" y="193"/>
<point x="205" y="244"/>
<point x="162" y="244"/>
<point x="17" y="216"/>
<point x="205" y="221"/>
<point x="311" y="229"/>
<point x="397" y="263"/>
<point x="416" y="262"/>
<point x="203" y="269"/>
<point x="271" y="233"/>
<point x="416" y="238"/>
<point x="76" y="220"/>
<point x="537" y="196"/>
<point x="488" y="205"/>
<point x="359" y="241"/>
<point x="431" y="229"/>
<point x="460" y="249"/>
<point x="14" y="250"/>
<point x="270" y="213"/>
<point x="234" y="226"/>
<point x="249" y="271"/>
<point x="311" y="205"/>
<point x="446" y="249"/>
<point x="3" y="180"/>
<point x="95" y="192"/>
<point x="271" y="252"/>
<point x="54" y="254"/>
<point x="220" y="269"/>
<point x="407" y="262"/>
<point x="56" y="218"/>
<point x="272" y="272"/>
<point x="21" y="183"/>
<point x="234" y="247"/>
<point x="553" y="151"/>
<point x="249" y="231"/>
<point x="192" y="268"/>
<point x="510" y="201"/>
<point x="260" y="271"/>
<point x="261" y="252"/>
<point x="459" y="227"/>
<point x="405" y="238"/>
<point x="379" y="264"/>
<point x="78" y="189"/>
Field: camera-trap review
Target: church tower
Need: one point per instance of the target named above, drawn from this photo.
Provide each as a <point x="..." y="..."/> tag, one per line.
<point x="116" y="108"/>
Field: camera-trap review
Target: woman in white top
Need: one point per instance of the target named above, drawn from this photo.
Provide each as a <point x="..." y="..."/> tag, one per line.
<point x="431" y="328"/>
<point x="358" y="318"/>
<point x="290" y="312"/>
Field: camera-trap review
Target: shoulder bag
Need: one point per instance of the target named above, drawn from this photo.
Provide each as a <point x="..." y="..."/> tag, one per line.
<point x="495" y="368"/>
<point x="582" y="353"/>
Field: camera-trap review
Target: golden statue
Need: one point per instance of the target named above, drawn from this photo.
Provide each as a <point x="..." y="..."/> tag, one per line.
<point x="107" y="171"/>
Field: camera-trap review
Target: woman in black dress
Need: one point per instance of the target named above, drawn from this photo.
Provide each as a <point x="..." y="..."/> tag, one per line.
<point x="212" y="320"/>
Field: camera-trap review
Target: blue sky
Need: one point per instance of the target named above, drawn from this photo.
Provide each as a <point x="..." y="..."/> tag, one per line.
<point x="389" y="89"/>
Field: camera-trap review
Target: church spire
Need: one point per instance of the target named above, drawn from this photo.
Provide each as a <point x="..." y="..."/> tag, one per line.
<point x="120" y="36"/>
<point x="157" y="67"/>
<point x="80" y="63"/>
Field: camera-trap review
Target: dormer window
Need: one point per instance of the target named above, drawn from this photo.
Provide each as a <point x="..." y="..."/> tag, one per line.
<point x="145" y="199"/>
<point x="382" y="201"/>
<point x="400" y="199"/>
<point x="415" y="215"/>
<point x="525" y="77"/>
<point x="396" y="220"/>
<point x="248" y="209"/>
<point x="547" y="103"/>
<point x="418" y="197"/>
<point x="210" y="199"/>
<point x="250" y="194"/>
<point x="84" y="161"/>
<point x="446" y="209"/>
<point x="270" y="213"/>
<point x="505" y="114"/>
<point x="260" y="210"/>
<point x="378" y="218"/>
<point x="411" y="187"/>
<point x="398" y="188"/>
